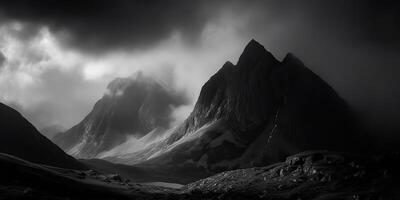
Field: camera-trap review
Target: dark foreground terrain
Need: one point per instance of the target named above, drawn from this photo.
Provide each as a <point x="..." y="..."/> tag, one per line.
<point x="308" y="175"/>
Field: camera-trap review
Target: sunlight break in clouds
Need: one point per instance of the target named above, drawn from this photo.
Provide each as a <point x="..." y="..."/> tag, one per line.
<point x="35" y="75"/>
<point x="25" y="61"/>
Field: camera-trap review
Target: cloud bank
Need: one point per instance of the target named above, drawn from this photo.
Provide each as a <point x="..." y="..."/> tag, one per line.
<point x="55" y="85"/>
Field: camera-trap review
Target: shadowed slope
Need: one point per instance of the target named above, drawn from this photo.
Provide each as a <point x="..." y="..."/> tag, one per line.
<point x="20" y="138"/>
<point x="254" y="113"/>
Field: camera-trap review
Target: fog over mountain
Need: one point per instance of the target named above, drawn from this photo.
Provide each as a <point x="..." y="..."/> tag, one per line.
<point x="199" y="99"/>
<point x="130" y="108"/>
<point x="247" y="119"/>
<point x="82" y="46"/>
<point x="254" y="113"/>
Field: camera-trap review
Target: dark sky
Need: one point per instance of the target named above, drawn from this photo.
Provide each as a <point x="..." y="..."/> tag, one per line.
<point x="353" y="45"/>
<point x="101" y="25"/>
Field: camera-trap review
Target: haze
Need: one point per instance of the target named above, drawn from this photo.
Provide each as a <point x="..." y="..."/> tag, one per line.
<point x="56" y="58"/>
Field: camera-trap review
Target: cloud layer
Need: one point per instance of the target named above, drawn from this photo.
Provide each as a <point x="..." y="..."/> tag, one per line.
<point x="55" y="85"/>
<point x="101" y="25"/>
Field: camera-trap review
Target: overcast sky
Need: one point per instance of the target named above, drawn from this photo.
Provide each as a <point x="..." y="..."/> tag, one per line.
<point x="57" y="57"/>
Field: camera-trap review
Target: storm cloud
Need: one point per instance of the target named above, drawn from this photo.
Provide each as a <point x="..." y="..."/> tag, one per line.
<point x="353" y="45"/>
<point x="101" y="25"/>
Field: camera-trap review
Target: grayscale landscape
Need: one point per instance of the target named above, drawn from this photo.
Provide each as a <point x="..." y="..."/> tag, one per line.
<point x="199" y="100"/>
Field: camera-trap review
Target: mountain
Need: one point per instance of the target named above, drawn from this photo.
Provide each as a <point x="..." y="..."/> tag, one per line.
<point x="20" y="138"/>
<point x="254" y="113"/>
<point x="131" y="108"/>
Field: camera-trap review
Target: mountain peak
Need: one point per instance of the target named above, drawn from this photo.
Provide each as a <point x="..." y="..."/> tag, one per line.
<point x="120" y="84"/>
<point x="255" y="52"/>
<point x="256" y="112"/>
<point x="291" y="58"/>
<point x="131" y="107"/>
<point x="253" y="47"/>
<point x="228" y="66"/>
<point x="254" y="43"/>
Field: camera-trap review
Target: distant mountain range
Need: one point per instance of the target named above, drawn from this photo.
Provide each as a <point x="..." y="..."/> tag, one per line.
<point x="18" y="137"/>
<point x="256" y="112"/>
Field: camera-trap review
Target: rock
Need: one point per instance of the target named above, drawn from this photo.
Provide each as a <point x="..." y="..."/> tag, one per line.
<point x="337" y="179"/>
<point x="27" y="191"/>
<point x="81" y="175"/>
<point x="115" y="177"/>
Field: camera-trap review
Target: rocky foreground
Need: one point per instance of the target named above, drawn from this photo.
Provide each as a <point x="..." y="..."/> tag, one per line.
<point x="308" y="175"/>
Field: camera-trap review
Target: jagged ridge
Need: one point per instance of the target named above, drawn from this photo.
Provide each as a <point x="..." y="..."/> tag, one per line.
<point x="254" y="113"/>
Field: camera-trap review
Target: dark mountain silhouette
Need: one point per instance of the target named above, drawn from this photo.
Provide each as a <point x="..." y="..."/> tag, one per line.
<point x="20" y="138"/>
<point x="133" y="106"/>
<point x="254" y="113"/>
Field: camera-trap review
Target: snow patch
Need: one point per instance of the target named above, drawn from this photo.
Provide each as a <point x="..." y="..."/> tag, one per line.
<point x="133" y="144"/>
<point x="74" y="151"/>
<point x="165" y="184"/>
<point x="186" y="138"/>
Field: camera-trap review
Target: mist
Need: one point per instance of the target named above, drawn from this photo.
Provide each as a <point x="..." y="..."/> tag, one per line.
<point x="56" y="64"/>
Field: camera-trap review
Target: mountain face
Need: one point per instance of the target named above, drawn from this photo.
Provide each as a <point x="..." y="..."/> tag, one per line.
<point x="132" y="107"/>
<point x="254" y="113"/>
<point x="20" y="138"/>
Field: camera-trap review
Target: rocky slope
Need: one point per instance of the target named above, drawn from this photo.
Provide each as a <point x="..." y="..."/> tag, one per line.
<point x="308" y="175"/>
<point x="254" y="113"/>
<point x="132" y="107"/>
<point x="20" y="138"/>
<point x="21" y="179"/>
